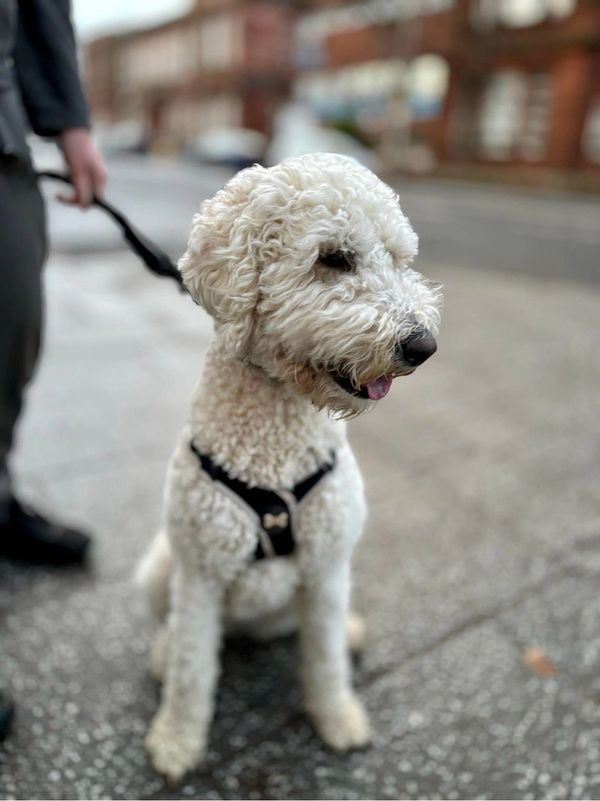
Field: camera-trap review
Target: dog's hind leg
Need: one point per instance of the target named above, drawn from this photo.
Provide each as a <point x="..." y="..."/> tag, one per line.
<point x="273" y="625"/>
<point x="286" y="622"/>
<point x="153" y="575"/>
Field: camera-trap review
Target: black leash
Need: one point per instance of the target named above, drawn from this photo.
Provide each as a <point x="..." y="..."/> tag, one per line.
<point x="155" y="259"/>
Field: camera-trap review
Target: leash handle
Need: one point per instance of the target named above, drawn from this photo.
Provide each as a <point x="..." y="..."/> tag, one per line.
<point x="155" y="259"/>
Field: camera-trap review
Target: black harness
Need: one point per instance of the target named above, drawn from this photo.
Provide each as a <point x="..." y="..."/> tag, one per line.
<point x="273" y="509"/>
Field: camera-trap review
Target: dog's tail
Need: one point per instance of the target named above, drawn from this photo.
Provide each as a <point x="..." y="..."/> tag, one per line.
<point x="153" y="575"/>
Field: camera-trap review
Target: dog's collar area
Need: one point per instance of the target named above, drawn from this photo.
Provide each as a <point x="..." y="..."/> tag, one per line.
<point x="253" y="366"/>
<point x="274" y="510"/>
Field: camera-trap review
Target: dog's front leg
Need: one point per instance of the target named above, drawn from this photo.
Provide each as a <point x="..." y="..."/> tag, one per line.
<point x="334" y="708"/>
<point x="177" y="738"/>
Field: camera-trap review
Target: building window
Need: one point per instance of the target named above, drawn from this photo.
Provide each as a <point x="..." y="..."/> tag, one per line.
<point x="355" y="96"/>
<point x="590" y="138"/>
<point x="325" y="21"/>
<point x="486" y="14"/>
<point x="220" y="111"/>
<point x="219" y="45"/>
<point x="561" y="8"/>
<point x="501" y="114"/>
<point x="514" y="116"/>
<point x="536" y="125"/>
<point x="522" y="13"/>
<point x="359" y="96"/>
<point x="427" y="81"/>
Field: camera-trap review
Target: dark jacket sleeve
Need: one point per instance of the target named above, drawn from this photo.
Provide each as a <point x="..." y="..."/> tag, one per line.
<point x="46" y="65"/>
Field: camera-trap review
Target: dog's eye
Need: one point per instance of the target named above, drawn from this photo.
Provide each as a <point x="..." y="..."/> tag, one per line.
<point x="337" y="259"/>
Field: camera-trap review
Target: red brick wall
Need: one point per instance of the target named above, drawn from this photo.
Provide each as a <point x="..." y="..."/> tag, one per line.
<point x="268" y="31"/>
<point x="565" y="50"/>
<point x="572" y="82"/>
<point x="360" y="44"/>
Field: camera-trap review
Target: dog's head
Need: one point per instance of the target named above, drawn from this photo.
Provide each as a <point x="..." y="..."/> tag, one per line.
<point x="305" y="269"/>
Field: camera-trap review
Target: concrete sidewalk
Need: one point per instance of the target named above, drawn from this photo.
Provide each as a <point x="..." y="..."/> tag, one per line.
<point x="483" y="541"/>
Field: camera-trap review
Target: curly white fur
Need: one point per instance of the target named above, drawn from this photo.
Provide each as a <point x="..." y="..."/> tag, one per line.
<point x="285" y="326"/>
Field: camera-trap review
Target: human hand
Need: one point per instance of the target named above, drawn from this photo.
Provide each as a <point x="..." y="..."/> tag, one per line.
<point x="86" y="167"/>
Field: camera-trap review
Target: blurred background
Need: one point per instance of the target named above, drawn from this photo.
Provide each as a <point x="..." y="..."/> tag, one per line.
<point x="478" y="573"/>
<point x="500" y="89"/>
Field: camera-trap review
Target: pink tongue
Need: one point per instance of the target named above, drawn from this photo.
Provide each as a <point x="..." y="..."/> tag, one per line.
<point x="379" y="387"/>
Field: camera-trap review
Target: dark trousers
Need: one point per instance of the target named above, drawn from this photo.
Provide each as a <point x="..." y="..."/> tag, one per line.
<point x="22" y="255"/>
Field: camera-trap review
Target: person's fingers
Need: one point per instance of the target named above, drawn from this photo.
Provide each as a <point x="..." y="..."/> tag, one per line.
<point x="82" y="183"/>
<point x="87" y="179"/>
<point x="69" y="199"/>
<point x="99" y="176"/>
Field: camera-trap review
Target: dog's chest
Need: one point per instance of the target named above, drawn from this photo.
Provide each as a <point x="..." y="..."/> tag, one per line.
<point x="262" y="588"/>
<point x="326" y="528"/>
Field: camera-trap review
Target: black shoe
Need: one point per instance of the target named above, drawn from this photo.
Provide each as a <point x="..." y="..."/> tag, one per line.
<point x="7" y="713"/>
<point x="29" y="537"/>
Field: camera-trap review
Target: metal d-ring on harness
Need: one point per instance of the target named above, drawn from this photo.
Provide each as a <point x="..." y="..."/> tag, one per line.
<point x="274" y="510"/>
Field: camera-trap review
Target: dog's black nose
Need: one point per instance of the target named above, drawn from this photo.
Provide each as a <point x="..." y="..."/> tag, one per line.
<point x="418" y="347"/>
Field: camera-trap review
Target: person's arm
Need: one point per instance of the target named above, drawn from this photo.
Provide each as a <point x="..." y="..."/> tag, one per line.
<point x="47" y="71"/>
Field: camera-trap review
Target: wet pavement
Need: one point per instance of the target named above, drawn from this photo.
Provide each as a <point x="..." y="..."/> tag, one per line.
<point x="483" y="542"/>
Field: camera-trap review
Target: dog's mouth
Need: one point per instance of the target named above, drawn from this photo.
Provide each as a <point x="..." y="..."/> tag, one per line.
<point x="374" y="390"/>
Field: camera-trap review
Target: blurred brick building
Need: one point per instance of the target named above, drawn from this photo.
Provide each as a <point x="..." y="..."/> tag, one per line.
<point x="477" y="85"/>
<point x="225" y="63"/>
<point x="461" y="86"/>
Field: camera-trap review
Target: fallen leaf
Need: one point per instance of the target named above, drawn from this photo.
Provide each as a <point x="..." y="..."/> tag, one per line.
<point x="539" y="662"/>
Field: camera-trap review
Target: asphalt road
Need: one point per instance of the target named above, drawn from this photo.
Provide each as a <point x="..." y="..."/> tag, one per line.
<point x="476" y="226"/>
<point x="505" y="229"/>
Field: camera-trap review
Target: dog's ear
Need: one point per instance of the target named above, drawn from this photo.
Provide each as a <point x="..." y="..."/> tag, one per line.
<point x="221" y="265"/>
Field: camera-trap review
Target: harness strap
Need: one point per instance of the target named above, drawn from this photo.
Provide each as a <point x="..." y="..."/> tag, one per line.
<point x="276" y="537"/>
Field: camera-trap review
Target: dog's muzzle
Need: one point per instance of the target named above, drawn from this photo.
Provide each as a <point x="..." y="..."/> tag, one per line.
<point x="410" y="352"/>
<point x="416" y="348"/>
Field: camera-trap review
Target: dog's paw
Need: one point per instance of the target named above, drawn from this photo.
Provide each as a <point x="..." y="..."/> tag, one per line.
<point x="343" y="726"/>
<point x="356" y="632"/>
<point x="174" y="748"/>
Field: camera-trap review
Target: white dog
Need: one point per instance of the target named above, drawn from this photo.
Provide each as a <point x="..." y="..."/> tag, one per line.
<point x="304" y="269"/>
